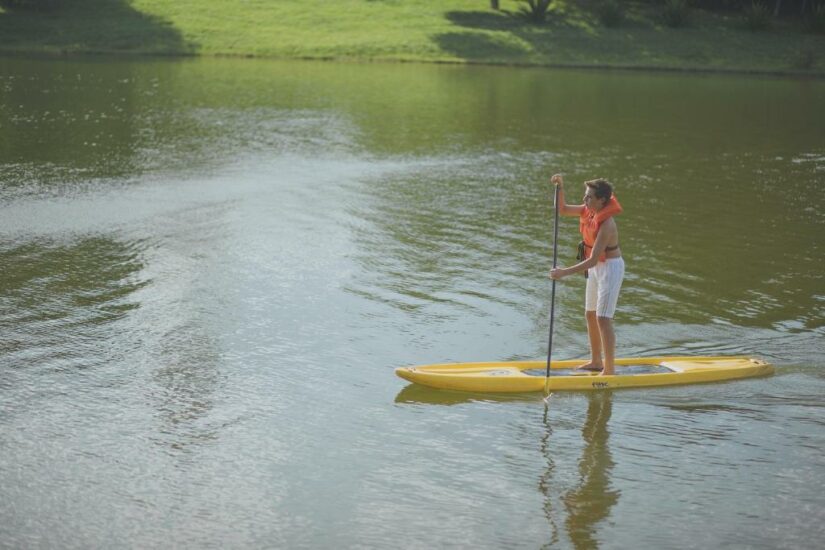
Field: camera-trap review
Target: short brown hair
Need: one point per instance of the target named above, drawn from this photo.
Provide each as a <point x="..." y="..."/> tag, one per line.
<point x="602" y="188"/>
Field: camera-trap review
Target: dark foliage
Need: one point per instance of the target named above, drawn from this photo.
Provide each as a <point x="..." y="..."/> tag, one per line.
<point x="31" y="5"/>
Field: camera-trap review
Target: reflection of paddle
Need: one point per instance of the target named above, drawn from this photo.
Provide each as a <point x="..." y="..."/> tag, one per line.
<point x="552" y="291"/>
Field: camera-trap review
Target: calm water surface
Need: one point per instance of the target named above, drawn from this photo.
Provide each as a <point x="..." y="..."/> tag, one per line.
<point x="210" y="269"/>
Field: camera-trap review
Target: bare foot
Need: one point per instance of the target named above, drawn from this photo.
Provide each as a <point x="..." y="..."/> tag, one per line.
<point x="591" y="366"/>
<point x="605" y="372"/>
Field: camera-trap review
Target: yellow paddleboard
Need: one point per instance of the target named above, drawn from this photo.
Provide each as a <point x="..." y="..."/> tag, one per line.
<point x="529" y="376"/>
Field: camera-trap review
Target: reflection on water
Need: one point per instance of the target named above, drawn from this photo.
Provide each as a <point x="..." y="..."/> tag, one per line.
<point x="415" y="393"/>
<point x="590" y="502"/>
<point x="593" y="495"/>
<point x="546" y="482"/>
<point x="187" y="377"/>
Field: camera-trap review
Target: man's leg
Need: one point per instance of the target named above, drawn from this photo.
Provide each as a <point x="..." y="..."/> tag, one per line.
<point x="594" y="334"/>
<point x="608" y="340"/>
<point x="610" y="284"/>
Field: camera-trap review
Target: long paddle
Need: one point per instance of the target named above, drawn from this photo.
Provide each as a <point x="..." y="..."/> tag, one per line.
<point x="553" y="290"/>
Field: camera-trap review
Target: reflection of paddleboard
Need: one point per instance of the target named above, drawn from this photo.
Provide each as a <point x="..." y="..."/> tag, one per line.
<point x="528" y="376"/>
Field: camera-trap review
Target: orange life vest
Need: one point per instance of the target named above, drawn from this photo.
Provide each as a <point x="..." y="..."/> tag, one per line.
<point x="590" y="221"/>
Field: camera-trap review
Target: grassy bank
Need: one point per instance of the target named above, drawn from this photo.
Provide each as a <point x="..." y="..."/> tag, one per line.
<point x="410" y="30"/>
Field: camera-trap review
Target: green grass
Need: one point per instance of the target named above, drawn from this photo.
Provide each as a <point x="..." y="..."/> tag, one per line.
<point x="465" y="31"/>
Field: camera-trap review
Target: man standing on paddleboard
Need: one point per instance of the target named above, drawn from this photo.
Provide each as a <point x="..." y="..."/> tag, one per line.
<point x="602" y="263"/>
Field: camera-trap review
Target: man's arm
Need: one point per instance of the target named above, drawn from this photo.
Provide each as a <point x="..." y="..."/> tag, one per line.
<point x="564" y="208"/>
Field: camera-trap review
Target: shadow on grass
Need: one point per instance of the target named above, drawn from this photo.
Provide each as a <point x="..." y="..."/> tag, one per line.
<point x="573" y="36"/>
<point x="90" y="26"/>
<point x="498" y="21"/>
<point x="479" y="46"/>
<point x="507" y="35"/>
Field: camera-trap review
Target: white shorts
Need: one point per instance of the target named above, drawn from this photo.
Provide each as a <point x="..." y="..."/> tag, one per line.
<point x="603" y="285"/>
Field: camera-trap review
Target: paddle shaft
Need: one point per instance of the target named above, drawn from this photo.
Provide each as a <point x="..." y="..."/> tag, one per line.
<point x="553" y="288"/>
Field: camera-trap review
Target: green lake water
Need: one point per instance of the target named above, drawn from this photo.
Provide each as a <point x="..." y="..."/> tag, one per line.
<point x="210" y="268"/>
